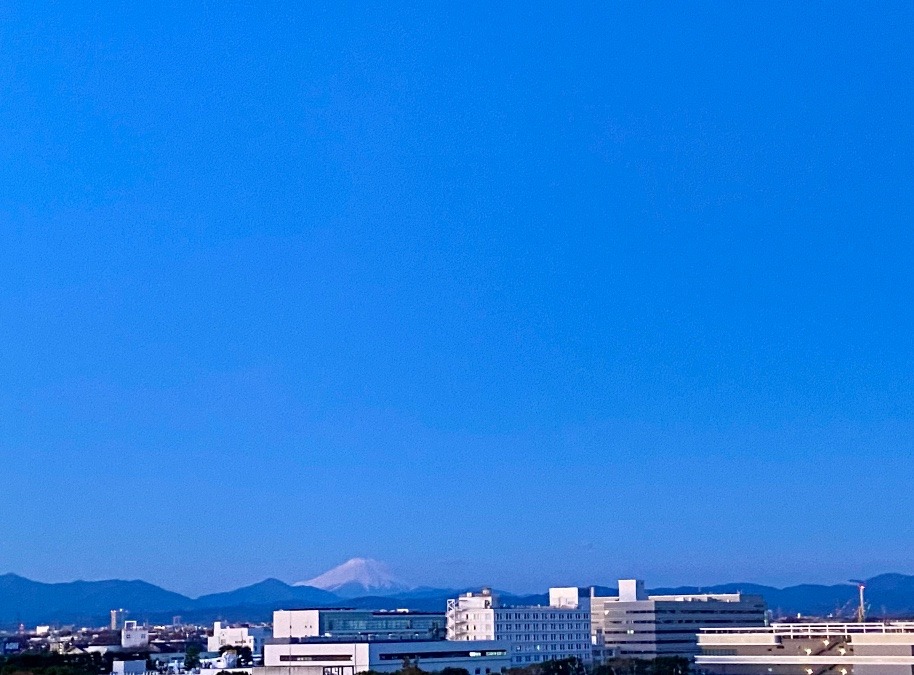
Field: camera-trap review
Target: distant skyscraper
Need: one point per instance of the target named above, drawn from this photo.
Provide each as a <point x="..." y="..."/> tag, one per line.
<point x="117" y="618"/>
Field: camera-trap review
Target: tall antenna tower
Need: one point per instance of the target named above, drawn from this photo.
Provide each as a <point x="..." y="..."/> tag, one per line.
<point x="861" y="608"/>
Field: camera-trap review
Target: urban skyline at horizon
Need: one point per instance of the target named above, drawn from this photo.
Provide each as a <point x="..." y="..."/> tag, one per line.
<point x="411" y="584"/>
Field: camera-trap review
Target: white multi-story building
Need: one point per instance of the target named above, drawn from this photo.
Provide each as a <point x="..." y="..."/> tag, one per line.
<point x="532" y="634"/>
<point x="331" y="656"/>
<point x="809" y="649"/>
<point x="339" y="656"/>
<point x="641" y="626"/>
<point x="353" y="623"/>
<point x="134" y="636"/>
<point x="252" y="637"/>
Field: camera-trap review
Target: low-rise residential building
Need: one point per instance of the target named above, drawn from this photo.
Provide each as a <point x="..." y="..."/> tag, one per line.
<point x="639" y="625"/>
<point x="252" y="637"/>
<point x="134" y="636"/>
<point x="532" y="634"/>
<point x="226" y="662"/>
<point x="875" y="648"/>
<point x="134" y="667"/>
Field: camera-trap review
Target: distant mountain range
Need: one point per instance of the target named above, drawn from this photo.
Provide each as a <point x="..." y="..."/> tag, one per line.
<point x="367" y="584"/>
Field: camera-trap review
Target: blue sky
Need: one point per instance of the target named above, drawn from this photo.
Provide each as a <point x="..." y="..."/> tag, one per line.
<point x="509" y="293"/>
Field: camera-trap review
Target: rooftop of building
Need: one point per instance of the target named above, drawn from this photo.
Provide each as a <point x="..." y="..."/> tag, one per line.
<point x="704" y="597"/>
<point x="351" y="639"/>
<point x="377" y="612"/>
<point x="815" y="629"/>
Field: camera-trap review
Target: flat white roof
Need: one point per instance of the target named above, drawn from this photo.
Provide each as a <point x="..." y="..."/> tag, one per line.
<point x="816" y="629"/>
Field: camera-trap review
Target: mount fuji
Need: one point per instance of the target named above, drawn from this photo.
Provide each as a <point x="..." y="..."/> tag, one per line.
<point x="358" y="577"/>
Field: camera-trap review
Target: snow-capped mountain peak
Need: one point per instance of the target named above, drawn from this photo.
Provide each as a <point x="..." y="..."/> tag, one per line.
<point x="358" y="576"/>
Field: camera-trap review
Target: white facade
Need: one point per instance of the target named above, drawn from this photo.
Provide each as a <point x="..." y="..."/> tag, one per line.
<point x="807" y="649"/>
<point x="239" y="636"/>
<point x="134" y="636"/>
<point x="339" y="657"/>
<point x="532" y="634"/>
<point x="296" y="623"/>
<point x="228" y="661"/>
<point x="637" y="625"/>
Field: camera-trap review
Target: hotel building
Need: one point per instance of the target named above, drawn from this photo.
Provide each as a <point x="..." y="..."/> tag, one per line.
<point x="532" y="634"/>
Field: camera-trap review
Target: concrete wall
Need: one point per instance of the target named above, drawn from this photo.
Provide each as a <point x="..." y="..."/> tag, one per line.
<point x="296" y="623"/>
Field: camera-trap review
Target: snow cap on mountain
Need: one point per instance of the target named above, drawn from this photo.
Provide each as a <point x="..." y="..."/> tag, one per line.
<point x="358" y="576"/>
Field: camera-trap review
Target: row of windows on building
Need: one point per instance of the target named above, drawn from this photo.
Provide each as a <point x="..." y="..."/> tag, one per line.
<point x="412" y="656"/>
<point x="561" y="647"/>
<point x="375" y="624"/>
<point x="633" y="631"/>
<point x="536" y="637"/>
<point x="719" y="652"/>
<point x="667" y="622"/>
<point x="742" y="612"/>
<point x="629" y="643"/>
<point x="534" y="658"/>
<point x="518" y="616"/>
<point x="547" y="637"/>
<point x="551" y="626"/>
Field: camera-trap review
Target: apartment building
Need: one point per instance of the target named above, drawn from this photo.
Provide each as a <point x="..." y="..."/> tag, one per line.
<point x="252" y="637"/>
<point x="532" y="634"/>
<point x="134" y="636"/>
<point x="641" y="626"/>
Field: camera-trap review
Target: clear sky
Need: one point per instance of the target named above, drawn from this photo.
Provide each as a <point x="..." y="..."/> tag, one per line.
<point x="513" y="293"/>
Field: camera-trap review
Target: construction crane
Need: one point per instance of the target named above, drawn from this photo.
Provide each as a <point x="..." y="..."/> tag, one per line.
<point x="861" y="608"/>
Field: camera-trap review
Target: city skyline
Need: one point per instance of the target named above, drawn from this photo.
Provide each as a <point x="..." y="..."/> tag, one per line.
<point x="517" y="294"/>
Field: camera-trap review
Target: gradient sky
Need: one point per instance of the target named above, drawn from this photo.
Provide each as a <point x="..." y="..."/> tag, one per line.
<point x="517" y="294"/>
